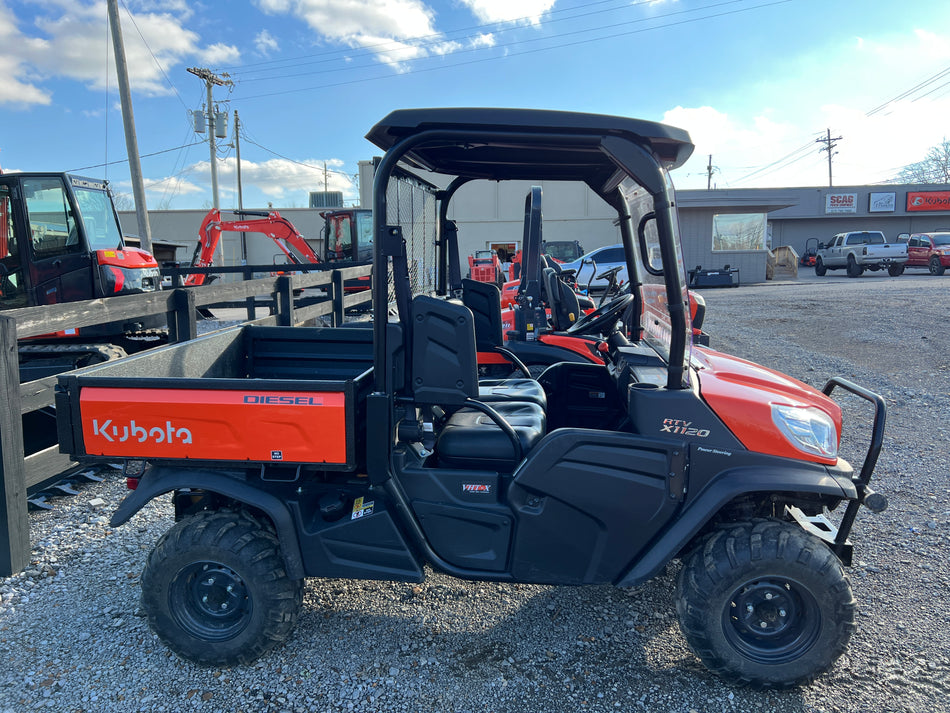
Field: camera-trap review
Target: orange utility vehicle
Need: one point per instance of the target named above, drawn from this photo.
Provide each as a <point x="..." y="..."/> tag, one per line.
<point x="373" y="453"/>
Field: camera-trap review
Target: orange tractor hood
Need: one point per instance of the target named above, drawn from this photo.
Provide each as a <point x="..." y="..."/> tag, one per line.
<point x="742" y="393"/>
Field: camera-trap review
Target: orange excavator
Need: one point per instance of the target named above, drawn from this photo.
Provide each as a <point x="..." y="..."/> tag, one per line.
<point x="269" y="223"/>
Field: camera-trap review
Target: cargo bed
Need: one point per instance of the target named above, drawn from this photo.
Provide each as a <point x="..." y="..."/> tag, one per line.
<point x="254" y="395"/>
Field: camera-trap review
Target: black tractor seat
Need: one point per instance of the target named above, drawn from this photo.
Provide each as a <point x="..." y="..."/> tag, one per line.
<point x="472" y="439"/>
<point x="497" y="391"/>
<point x="478" y="435"/>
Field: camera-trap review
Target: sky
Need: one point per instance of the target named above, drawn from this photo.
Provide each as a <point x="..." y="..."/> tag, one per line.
<point x="757" y="83"/>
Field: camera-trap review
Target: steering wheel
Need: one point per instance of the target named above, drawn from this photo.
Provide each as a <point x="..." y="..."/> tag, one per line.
<point x="610" y="275"/>
<point x="607" y="274"/>
<point x="602" y="319"/>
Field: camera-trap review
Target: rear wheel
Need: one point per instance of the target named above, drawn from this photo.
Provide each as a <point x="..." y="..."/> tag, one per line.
<point x="216" y="592"/>
<point x="854" y="270"/>
<point x="935" y="267"/>
<point x="894" y="270"/>
<point x="820" y="268"/>
<point x="765" y="604"/>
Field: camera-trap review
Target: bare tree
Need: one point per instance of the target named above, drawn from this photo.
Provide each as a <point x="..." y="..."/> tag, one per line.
<point x="123" y="202"/>
<point x="933" y="169"/>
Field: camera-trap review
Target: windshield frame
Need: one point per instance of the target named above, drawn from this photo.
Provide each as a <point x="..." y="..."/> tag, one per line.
<point x="94" y="205"/>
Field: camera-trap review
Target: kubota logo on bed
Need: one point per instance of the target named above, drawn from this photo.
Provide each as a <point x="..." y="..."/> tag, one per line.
<point x="116" y="433"/>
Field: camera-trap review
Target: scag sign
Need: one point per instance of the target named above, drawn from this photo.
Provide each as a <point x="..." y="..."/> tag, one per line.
<point x="928" y="200"/>
<point x="841" y="203"/>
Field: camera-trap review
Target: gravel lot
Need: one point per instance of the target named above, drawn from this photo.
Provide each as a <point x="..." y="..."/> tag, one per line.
<point x="73" y="639"/>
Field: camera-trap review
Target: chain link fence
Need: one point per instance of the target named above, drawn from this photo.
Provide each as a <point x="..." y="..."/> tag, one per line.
<point x="412" y="205"/>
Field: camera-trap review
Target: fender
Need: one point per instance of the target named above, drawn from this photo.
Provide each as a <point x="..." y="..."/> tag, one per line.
<point x="159" y="480"/>
<point x="724" y="488"/>
<point x="540" y="352"/>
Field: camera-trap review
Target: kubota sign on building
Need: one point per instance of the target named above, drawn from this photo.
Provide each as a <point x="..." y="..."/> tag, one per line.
<point x="928" y="200"/>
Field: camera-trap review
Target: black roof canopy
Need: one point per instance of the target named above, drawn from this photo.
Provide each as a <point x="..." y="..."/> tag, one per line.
<point x="528" y="144"/>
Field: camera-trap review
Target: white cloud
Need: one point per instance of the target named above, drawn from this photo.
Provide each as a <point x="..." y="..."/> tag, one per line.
<point x="397" y="31"/>
<point x="16" y="87"/>
<point x="527" y="11"/>
<point x="59" y="39"/>
<point x="219" y="54"/>
<point x="277" y="179"/>
<point x="351" y="20"/>
<point x="265" y="43"/>
<point x="172" y="186"/>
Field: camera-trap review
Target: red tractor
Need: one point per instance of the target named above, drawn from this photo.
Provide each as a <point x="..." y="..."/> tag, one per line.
<point x="60" y="241"/>
<point x="484" y="266"/>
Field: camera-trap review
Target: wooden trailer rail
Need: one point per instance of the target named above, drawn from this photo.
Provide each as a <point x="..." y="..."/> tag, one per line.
<point x="18" y="473"/>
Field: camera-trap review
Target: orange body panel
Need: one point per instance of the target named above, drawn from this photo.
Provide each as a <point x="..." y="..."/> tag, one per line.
<point x="211" y="424"/>
<point x="129" y="258"/>
<point x="587" y="348"/>
<point x="742" y="393"/>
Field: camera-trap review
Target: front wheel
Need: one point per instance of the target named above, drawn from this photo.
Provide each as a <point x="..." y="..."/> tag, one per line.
<point x="765" y="604"/>
<point x="895" y="269"/>
<point x="215" y="589"/>
<point x="820" y="268"/>
<point x="936" y="268"/>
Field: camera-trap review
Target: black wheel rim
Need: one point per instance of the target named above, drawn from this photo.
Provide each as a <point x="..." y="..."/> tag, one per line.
<point x="210" y="601"/>
<point x="771" y="620"/>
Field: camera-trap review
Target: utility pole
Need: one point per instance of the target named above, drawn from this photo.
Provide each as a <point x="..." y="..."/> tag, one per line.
<point x="237" y="148"/>
<point x="829" y="144"/>
<point x="128" y="119"/>
<point x="709" y="173"/>
<point x="211" y="80"/>
<point x="326" y="178"/>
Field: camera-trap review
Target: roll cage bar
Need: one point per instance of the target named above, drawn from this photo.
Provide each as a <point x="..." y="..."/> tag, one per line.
<point x="527" y="144"/>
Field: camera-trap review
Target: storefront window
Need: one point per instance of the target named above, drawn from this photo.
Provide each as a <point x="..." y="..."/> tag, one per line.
<point x="738" y="231"/>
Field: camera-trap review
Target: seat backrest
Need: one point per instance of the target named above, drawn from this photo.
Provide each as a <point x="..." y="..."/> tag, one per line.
<point x="484" y="300"/>
<point x="562" y="300"/>
<point x="444" y="363"/>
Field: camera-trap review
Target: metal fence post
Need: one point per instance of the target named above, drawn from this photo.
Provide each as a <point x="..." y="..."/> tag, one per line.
<point x="285" y="301"/>
<point x="14" y="518"/>
<point x="336" y="286"/>
<point x="250" y="301"/>
<point x="182" y="324"/>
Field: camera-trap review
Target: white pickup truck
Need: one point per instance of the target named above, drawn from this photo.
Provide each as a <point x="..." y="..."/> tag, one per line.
<point x="861" y="250"/>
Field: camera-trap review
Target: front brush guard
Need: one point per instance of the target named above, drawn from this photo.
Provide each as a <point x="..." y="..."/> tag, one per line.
<point x="875" y="502"/>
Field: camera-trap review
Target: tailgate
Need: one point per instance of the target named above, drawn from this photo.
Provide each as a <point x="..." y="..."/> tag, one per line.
<point x="214" y="424"/>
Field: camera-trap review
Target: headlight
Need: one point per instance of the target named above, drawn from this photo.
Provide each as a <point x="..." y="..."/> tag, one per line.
<point x="808" y="429"/>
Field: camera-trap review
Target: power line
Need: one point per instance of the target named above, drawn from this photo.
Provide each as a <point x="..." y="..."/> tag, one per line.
<point x="525" y="52"/>
<point x="125" y="160"/>
<point x="506" y="26"/>
<point x="786" y="157"/>
<point x="154" y="58"/>
<point x="321" y="169"/>
<point x="495" y="47"/>
<point x="908" y="92"/>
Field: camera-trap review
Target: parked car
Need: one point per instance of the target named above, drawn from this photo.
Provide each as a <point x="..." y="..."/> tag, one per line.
<point x="930" y="250"/>
<point x="861" y="250"/>
<point x="604" y="258"/>
<point x="562" y="250"/>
